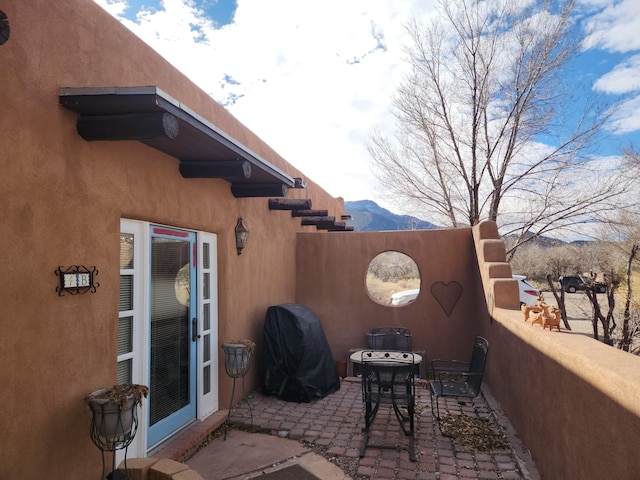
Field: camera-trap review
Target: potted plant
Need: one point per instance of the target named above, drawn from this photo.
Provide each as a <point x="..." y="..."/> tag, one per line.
<point x="237" y="355"/>
<point x="114" y="412"/>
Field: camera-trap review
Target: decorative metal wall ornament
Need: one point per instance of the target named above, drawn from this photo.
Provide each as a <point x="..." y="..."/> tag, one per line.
<point x="76" y="279"/>
<point x="5" y="30"/>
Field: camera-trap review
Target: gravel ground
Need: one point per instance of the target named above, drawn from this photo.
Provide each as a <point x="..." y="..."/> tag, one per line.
<point x="579" y="311"/>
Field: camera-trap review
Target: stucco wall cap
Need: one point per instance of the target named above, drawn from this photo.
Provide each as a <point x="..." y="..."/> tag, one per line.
<point x="487" y="229"/>
<point x="498" y="270"/>
<point x="493" y="250"/>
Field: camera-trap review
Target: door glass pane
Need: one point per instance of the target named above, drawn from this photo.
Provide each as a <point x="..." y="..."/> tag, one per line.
<point x="206" y="348"/>
<point x="126" y="292"/>
<point x="126" y="250"/>
<point x="206" y="379"/>
<point x="170" y="319"/>
<point x="206" y="260"/>
<point x="205" y="286"/>
<point x="125" y="335"/>
<point x="206" y="312"/>
<point x="124" y="372"/>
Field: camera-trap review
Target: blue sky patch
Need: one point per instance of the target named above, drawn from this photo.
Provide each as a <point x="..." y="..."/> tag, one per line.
<point x="220" y="11"/>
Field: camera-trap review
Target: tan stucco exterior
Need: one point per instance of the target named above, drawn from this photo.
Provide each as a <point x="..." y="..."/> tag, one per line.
<point x="62" y="201"/>
<point x="331" y="281"/>
<point x="570" y="398"/>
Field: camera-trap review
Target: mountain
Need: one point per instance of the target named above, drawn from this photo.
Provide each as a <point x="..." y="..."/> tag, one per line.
<point x="369" y="216"/>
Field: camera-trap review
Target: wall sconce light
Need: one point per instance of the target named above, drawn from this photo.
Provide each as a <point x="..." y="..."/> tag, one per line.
<point x="242" y="234"/>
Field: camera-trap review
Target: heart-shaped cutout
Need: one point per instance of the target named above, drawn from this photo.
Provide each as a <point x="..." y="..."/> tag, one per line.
<point x="447" y="295"/>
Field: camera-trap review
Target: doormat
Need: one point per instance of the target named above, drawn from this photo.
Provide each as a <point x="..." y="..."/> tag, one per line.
<point x="294" y="472"/>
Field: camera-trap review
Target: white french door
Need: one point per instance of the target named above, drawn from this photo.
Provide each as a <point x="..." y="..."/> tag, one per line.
<point x="168" y="326"/>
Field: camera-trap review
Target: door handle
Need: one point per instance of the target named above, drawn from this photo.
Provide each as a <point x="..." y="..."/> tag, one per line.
<point x="194" y="329"/>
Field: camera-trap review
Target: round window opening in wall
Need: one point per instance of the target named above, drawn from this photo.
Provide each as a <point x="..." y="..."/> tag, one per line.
<point x="393" y="279"/>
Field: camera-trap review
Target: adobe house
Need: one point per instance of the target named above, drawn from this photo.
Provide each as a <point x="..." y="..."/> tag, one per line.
<point x="114" y="162"/>
<point x="119" y="172"/>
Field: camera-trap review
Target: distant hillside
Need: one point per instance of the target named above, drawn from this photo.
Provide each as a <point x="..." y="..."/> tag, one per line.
<point x="369" y="216"/>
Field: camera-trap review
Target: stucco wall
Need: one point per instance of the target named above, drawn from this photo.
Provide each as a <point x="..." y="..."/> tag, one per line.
<point x="572" y="400"/>
<point x="62" y="200"/>
<point x="331" y="281"/>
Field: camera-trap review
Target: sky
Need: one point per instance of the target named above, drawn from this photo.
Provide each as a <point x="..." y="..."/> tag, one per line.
<point x="314" y="79"/>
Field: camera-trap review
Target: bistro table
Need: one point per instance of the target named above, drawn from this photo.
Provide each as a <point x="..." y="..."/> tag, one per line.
<point x="388" y="378"/>
<point x="384" y="357"/>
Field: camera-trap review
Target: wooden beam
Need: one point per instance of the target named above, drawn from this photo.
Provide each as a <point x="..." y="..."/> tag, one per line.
<point x="318" y="220"/>
<point x="330" y="225"/>
<point x="345" y="228"/>
<point x="309" y="213"/>
<point x="244" y="190"/>
<point x="289" y="203"/>
<point x="230" y="169"/>
<point x="132" y="126"/>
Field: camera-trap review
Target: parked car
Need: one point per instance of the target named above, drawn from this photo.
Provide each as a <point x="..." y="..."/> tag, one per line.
<point x="404" y="297"/>
<point x="528" y="293"/>
<point x="573" y="283"/>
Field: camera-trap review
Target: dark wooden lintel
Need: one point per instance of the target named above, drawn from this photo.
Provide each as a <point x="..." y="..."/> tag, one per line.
<point x="230" y="169"/>
<point x="328" y="220"/>
<point x="131" y="126"/>
<point x="330" y="225"/>
<point x="243" y="190"/>
<point x="346" y="228"/>
<point x="309" y="213"/>
<point x="289" y="203"/>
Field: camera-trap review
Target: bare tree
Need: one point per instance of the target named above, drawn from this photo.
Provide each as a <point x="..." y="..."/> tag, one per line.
<point x="482" y="132"/>
<point x="560" y="301"/>
<point x="608" y="321"/>
<point x="627" y="328"/>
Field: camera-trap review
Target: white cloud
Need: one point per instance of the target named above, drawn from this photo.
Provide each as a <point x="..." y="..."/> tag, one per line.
<point x="624" y="78"/>
<point x="313" y="79"/>
<point x="615" y="27"/>
<point x="114" y="7"/>
<point x="627" y="118"/>
<point x="309" y="79"/>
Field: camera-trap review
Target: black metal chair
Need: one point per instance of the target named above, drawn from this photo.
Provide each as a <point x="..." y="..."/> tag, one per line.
<point x="388" y="379"/>
<point x="390" y="338"/>
<point x="453" y="378"/>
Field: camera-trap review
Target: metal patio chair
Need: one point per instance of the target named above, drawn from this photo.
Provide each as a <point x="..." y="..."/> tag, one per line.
<point x="453" y="378"/>
<point x="388" y="379"/>
<point x="390" y="338"/>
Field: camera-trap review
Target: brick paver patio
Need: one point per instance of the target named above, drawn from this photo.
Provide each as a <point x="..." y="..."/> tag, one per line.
<point x="335" y="423"/>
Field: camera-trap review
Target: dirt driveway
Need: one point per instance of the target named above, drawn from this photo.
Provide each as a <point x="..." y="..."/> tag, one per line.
<point x="579" y="311"/>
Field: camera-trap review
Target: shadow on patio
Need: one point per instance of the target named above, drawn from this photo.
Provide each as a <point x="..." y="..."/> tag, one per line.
<point x="332" y="427"/>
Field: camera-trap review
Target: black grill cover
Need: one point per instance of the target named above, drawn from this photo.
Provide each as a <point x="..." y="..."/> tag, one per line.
<point x="299" y="363"/>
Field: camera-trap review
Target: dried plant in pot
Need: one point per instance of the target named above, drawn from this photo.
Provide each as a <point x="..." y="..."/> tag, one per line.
<point x="114" y="412"/>
<point x="237" y="356"/>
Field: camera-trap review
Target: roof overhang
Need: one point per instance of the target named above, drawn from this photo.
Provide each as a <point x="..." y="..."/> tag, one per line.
<point x="149" y="115"/>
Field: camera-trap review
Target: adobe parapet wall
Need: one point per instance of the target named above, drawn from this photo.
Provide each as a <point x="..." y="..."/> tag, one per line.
<point x="501" y="290"/>
<point x="572" y="400"/>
